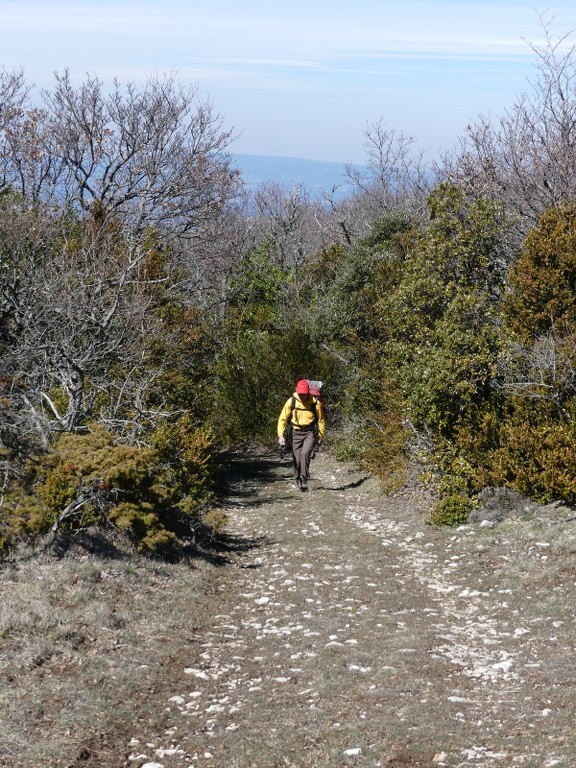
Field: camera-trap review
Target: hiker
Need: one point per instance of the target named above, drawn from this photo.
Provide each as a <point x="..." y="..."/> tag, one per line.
<point x="304" y="415"/>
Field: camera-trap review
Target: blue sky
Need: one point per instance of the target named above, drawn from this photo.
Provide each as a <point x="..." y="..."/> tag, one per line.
<point x="300" y="78"/>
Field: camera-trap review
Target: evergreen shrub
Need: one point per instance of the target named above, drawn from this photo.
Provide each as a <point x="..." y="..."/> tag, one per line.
<point x="256" y="375"/>
<point x="451" y="510"/>
<point x="157" y="495"/>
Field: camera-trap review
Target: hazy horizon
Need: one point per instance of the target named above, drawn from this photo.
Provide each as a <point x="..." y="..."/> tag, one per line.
<point x="317" y="176"/>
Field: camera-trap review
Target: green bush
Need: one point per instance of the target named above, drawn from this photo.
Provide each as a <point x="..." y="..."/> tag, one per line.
<point x="537" y="459"/>
<point x="255" y="377"/>
<point x="451" y="510"/>
<point x="542" y="282"/>
<point x="157" y="495"/>
<point x="423" y="332"/>
<point x="441" y="320"/>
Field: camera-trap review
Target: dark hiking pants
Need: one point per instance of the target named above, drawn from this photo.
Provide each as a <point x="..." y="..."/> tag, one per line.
<point x="302" y="449"/>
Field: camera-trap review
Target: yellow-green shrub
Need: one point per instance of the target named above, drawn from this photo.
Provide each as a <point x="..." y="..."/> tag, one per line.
<point x="156" y="495"/>
<point x="538" y="460"/>
<point x="541" y="295"/>
<point x="451" y="510"/>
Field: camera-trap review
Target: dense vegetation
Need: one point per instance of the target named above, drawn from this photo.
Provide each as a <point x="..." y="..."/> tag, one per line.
<point x="152" y="313"/>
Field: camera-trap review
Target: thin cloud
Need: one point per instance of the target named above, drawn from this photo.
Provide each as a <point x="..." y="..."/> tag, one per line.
<point x="297" y="75"/>
<point x="279" y="63"/>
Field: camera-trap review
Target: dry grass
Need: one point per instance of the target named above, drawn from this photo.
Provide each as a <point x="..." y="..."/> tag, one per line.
<point x="83" y="641"/>
<point x="343" y="631"/>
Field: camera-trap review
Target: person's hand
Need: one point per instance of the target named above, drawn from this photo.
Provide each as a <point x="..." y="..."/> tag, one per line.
<point x="319" y="444"/>
<point x="281" y="440"/>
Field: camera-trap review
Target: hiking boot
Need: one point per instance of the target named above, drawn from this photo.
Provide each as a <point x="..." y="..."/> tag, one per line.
<point x="303" y="486"/>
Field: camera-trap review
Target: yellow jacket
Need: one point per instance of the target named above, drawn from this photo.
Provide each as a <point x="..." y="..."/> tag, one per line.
<point x="307" y="410"/>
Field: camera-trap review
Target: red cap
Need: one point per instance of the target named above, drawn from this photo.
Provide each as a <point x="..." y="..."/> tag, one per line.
<point x="302" y="388"/>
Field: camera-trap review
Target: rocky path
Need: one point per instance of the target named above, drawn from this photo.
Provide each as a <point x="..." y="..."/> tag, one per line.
<point x="352" y="633"/>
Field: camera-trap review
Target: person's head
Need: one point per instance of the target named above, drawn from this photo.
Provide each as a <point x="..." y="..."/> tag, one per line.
<point x="302" y="387"/>
<point x="315" y="391"/>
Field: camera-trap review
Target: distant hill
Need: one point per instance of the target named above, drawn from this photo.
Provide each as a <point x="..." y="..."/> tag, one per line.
<point x="317" y="176"/>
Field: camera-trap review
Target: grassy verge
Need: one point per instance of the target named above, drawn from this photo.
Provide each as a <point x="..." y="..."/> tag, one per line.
<point x="85" y="640"/>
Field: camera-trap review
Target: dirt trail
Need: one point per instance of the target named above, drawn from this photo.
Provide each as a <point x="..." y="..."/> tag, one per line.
<point x="352" y="633"/>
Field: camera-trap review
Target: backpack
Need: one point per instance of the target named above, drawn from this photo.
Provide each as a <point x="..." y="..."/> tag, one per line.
<point x="316" y="391"/>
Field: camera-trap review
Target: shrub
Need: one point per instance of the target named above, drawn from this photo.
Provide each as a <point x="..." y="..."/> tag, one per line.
<point x="542" y="294"/>
<point x="430" y="331"/>
<point x="537" y="459"/>
<point x="256" y="375"/>
<point x="157" y="495"/>
<point x="451" y="510"/>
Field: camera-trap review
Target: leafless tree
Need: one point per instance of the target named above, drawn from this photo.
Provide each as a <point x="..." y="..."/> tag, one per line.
<point x="290" y="220"/>
<point x="396" y="177"/>
<point x="14" y="95"/>
<point x="73" y="315"/>
<point x="96" y="187"/>
<point x="527" y="158"/>
<point x="544" y="371"/>
<point x="227" y="240"/>
<point x="152" y="156"/>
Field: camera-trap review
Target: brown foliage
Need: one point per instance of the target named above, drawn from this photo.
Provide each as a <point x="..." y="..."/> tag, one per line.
<point x="542" y="284"/>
